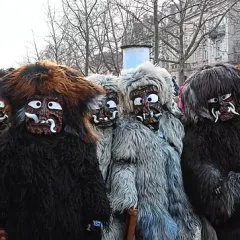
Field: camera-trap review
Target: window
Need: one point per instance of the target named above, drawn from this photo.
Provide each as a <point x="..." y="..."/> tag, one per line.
<point x="195" y="57"/>
<point x="205" y="52"/>
<point x="217" y="48"/>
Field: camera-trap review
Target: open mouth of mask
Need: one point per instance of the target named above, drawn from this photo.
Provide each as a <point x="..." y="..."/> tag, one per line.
<point x="222" y="107"/>
<point x="146" y="105"/>
<point x="107" y="114"/>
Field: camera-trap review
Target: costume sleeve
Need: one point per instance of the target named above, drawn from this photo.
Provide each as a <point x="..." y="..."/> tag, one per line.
<point x="95" y="202"/>
<point x="123" y="192"/>
<point x="4" y="198"/>
<point x="179" y="207"/>
<point x="5" y="156"/>
<point x="206" y="185"/>
<point x="172" y="130"/>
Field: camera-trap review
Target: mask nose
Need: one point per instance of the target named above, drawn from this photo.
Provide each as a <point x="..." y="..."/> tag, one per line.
<point x="146" y="106"/>
<point x="42" y="114"/>
<point x="104" y="111"/>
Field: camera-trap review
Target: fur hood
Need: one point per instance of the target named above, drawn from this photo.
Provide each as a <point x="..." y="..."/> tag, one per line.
<point x="79" y="95"/>
<point x="108" y="82"/>
<point x="147" y="74"/>
<point x="206" y="83"/>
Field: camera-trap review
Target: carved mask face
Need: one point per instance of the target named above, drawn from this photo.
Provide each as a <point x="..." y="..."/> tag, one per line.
<point x="106" y="116"/>
<point x="146" y="105"/>
<point x="4" y="114"/>
<point x="222" y="107"/>
<point x="44" y="115"/>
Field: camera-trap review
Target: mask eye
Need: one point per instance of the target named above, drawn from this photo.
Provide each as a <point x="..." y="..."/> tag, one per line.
<point x="153" y="98"/>
<point x="111" y="104"/>
<point x="213" y="100"/>
<point x="226" y="96"/>
<point x="137" y="101"/>
<point x="54" y="106"/>
<point x="2" y="104"/>
<point x="35" y="104"/>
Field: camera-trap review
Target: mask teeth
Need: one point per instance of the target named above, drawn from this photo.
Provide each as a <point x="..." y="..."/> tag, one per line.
<point x="140" y="118"/>
<point x="52" y="125"/>
<point x="144" y="116"/>
<point x="232" y="109"/>
<point x="95" y="119"/>
<point x="215" y="114"/>
<point x="3" y="118"/>
<point x="32" y="116"/>
<point x="151" y="114"/>
<point x="157" y="115"/>
<point x="105" y="119"/>
<point x="114" y="115"/>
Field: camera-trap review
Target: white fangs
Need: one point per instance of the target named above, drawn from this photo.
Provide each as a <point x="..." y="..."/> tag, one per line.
<point x="32" y="116"/>
<point x="52" y="126"/>
<point x="95" y="119"/>
<point x="3" y="118"/>
<point x="232" y="109"/>
<point x="141" y="118"/>
<point x="36" y="120"/>
<point x="114" y="115"/>
<point x="216" y="114"/>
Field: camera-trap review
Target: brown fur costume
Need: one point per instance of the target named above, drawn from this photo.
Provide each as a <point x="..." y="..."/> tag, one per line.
<point x="51" y="185"/>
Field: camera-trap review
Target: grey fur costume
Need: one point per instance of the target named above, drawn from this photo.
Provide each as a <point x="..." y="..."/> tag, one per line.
<point x="146" y="172"/>
<point x="104" y="152"/>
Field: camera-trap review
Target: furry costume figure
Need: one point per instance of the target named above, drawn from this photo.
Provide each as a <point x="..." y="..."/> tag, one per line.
<point x="5" y="123"/>
<point x="5" y="115"/>
<point x="146" y="149"/>
<point x="5" y="111"/>
<point x="211" y="153"/>
<point x="51" y="185"/>
<point x="104" y="120"/>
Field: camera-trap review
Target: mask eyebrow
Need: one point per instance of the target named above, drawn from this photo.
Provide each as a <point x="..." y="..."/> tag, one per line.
<point x="144" y="89"/>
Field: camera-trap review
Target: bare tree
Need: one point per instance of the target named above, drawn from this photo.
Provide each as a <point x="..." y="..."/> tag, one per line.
<point x="180" y="26"/>
<point x="107" y="31"/>
<point x="78" y="14"/>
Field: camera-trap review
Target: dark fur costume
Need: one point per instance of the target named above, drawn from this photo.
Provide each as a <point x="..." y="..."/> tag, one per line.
<point x="51" y="185"/>
<point x="211" y="152"/>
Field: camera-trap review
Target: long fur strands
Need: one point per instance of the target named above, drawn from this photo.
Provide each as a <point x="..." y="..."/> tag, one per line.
<point x="163" y="209"/>
<point x="104" y="153"/>
<point x="43" y="77"/>
<point x="210" y="158"/>
<point x="206" y="83"/>
<point x="148" y="74"/>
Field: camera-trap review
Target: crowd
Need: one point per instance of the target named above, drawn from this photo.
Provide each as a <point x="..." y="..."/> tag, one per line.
<point x="117" y="157"/>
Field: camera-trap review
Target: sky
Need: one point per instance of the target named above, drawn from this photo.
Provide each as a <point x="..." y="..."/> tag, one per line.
<point x="19" y="19"/>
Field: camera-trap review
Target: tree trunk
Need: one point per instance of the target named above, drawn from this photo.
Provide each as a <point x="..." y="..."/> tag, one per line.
<point x="87" y="39"/>
<point x="156" y="36"/>
<point x="181" y="72"/>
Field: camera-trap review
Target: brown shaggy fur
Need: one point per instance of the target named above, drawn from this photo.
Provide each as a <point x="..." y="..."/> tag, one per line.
<point x="46" y="78"/>
<point x="63" y="80"/>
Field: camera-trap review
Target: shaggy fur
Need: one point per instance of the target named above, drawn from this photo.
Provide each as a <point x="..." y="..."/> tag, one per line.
<point x="51" y="186"/>
<point x="108" y="82"/>
<point x="148" y="74"/>
<point x="104" y="153"/>
<point x="211" y="153"/>
<point x="150" y="164"/>
<point x="221" y="79"/>
<point x="153" y="186"/>
<point x="45" y="77"/>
